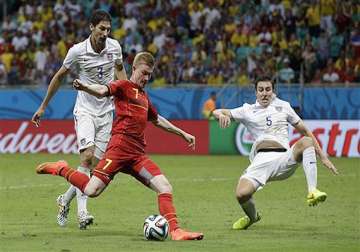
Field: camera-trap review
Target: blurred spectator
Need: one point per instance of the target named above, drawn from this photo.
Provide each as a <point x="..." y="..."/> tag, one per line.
<point x="209" y="106"/>
<point x="330" y="75"/>
<point x="3" y="74"/>
<point x="240" y="76"/>
<point x="286" y="74"/>
<point x="41" y="55"/>
<point x="313" y="18"/>
<point x="327" y="10"/>
<point x="309" y="57"/>
<point x="19" y="41"/>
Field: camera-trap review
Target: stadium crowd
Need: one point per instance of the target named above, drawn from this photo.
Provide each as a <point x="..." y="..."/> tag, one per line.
<point x="207" y="42"/>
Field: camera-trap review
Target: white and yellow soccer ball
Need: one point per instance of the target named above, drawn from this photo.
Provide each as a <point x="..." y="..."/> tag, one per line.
<point x="156" y="228"/>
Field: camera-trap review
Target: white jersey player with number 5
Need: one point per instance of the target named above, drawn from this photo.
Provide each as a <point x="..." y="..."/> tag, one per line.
<point x="97" y="60"/>
<point x="271" y="156"/>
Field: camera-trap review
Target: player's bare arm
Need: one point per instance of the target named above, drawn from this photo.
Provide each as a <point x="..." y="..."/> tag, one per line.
<point x="94" y="89"/>
<point x="120" y="73"/>
<point x="301" y="127"/>
<point x="163" y="123"/>
<point x="224" y="117"/>
<point x="52" y="89"/>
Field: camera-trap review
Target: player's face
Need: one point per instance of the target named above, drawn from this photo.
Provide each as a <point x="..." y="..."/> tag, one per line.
<point x="142" y="74"/>
<point x="264" y="93"/>
<point x="100" y="32"/>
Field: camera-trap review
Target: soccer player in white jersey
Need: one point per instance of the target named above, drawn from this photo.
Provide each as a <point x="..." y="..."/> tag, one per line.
<point x="271" y="156"/>
<point x="98" y="60"/>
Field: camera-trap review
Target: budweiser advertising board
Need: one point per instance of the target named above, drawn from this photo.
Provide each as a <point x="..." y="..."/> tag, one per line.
<point x="58" y="136"/>
<point x="337" y="138"/>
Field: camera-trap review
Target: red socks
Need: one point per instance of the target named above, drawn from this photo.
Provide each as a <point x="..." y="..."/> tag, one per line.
<point x="76" y="178"/>
<point x="167" y="209"/>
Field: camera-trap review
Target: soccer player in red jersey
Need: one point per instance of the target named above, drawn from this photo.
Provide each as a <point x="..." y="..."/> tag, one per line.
<point x="125" y="151"/>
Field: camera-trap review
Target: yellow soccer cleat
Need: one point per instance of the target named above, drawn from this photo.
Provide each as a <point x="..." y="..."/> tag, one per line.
<point x="315" y="197"/>
<point x="245" y="222"/>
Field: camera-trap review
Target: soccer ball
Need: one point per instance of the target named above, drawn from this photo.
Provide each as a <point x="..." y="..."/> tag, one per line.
<point x="156" y="228"/>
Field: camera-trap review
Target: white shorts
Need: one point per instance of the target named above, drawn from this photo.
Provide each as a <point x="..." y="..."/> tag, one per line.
<point x="269" y="166"/>
<point x="93" y="130"/>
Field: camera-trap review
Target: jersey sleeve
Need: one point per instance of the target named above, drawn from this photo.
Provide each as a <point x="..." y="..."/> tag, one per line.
<point x="71" y="58"/>
<point x="116" y="88"/>
<point x="152" y="112"/>
<point x="292" y="117"/>
<point x="238" y="114"/>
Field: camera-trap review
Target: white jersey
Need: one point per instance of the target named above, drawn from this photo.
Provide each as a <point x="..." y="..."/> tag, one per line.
<point x="93" y="68"/>
<point x="270" y="123"/>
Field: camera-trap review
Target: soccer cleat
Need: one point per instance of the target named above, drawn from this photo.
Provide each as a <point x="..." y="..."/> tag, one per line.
<point x="315" y="197"/>
<point x="52" y="168"/>
<point x="85" y="219"/>
<point x="182" y="235"/>
<point x="63" y="212"/>
<point x="245" y="222"/>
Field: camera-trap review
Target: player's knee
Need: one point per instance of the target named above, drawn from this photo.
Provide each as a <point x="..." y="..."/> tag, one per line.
<point x="165" y="187"/>
<point x="306" y="142"/>
<point x="91" y="192"/>
<point x="86" y="157"/>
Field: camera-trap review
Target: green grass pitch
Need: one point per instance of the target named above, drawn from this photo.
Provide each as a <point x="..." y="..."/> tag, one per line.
<point x="204" y="198"/>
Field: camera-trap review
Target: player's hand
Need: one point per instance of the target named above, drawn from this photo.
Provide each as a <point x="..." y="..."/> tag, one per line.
<point x="224" y="121"/>
<point x="78" y="85"/>
<point x="190" y="139"/>
<point x="329" y="165"/>
<point x="36" y="117"/>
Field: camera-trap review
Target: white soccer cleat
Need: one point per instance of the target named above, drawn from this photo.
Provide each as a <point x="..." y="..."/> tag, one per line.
<point x="85" y="219"/>
<point x="63" y="212"/>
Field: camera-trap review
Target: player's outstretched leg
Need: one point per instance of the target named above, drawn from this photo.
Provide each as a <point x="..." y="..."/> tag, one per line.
<point x="167" y="210"/>
<point x="61" y="168"/>
<point x="244" y="191"/>
<point x="304" y="149"/>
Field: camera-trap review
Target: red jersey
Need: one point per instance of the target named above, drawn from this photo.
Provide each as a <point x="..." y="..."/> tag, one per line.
<point x="133" y="109"/>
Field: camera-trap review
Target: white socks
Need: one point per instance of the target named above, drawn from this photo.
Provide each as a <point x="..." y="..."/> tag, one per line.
<point x="310" y="168"/>
<point x="69" y="194"/>
<point x="81" y="197"/>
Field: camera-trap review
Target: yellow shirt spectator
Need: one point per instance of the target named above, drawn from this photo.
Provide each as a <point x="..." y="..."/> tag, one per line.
<point x="7" y="58"/>
<point x="47" y="15"/>
<point x="286" y="4"/>
<point x="327" y="7"/>
<point x="215" y="79"/>
<point x="243" y="79"/>
<point x="239" y="39"/>
<point x="313" y="15"/>
<point x="159" y="82"/>
<point x="253" y="40"/>
<point x="61" y="48"/>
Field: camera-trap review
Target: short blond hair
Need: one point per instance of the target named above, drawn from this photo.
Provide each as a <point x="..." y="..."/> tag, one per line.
<point x="144" y="57"/>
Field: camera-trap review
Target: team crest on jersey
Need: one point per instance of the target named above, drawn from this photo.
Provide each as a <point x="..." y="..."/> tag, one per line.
<point x="278" y="109"/>
<point x="109" y="56"/>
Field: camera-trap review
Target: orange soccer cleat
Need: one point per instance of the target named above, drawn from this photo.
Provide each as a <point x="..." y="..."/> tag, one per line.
<point x="52" y="168"/>
<point x="182" y="235"/>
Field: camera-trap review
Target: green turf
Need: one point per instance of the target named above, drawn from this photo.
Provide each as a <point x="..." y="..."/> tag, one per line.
<point x="204" y="198"/>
